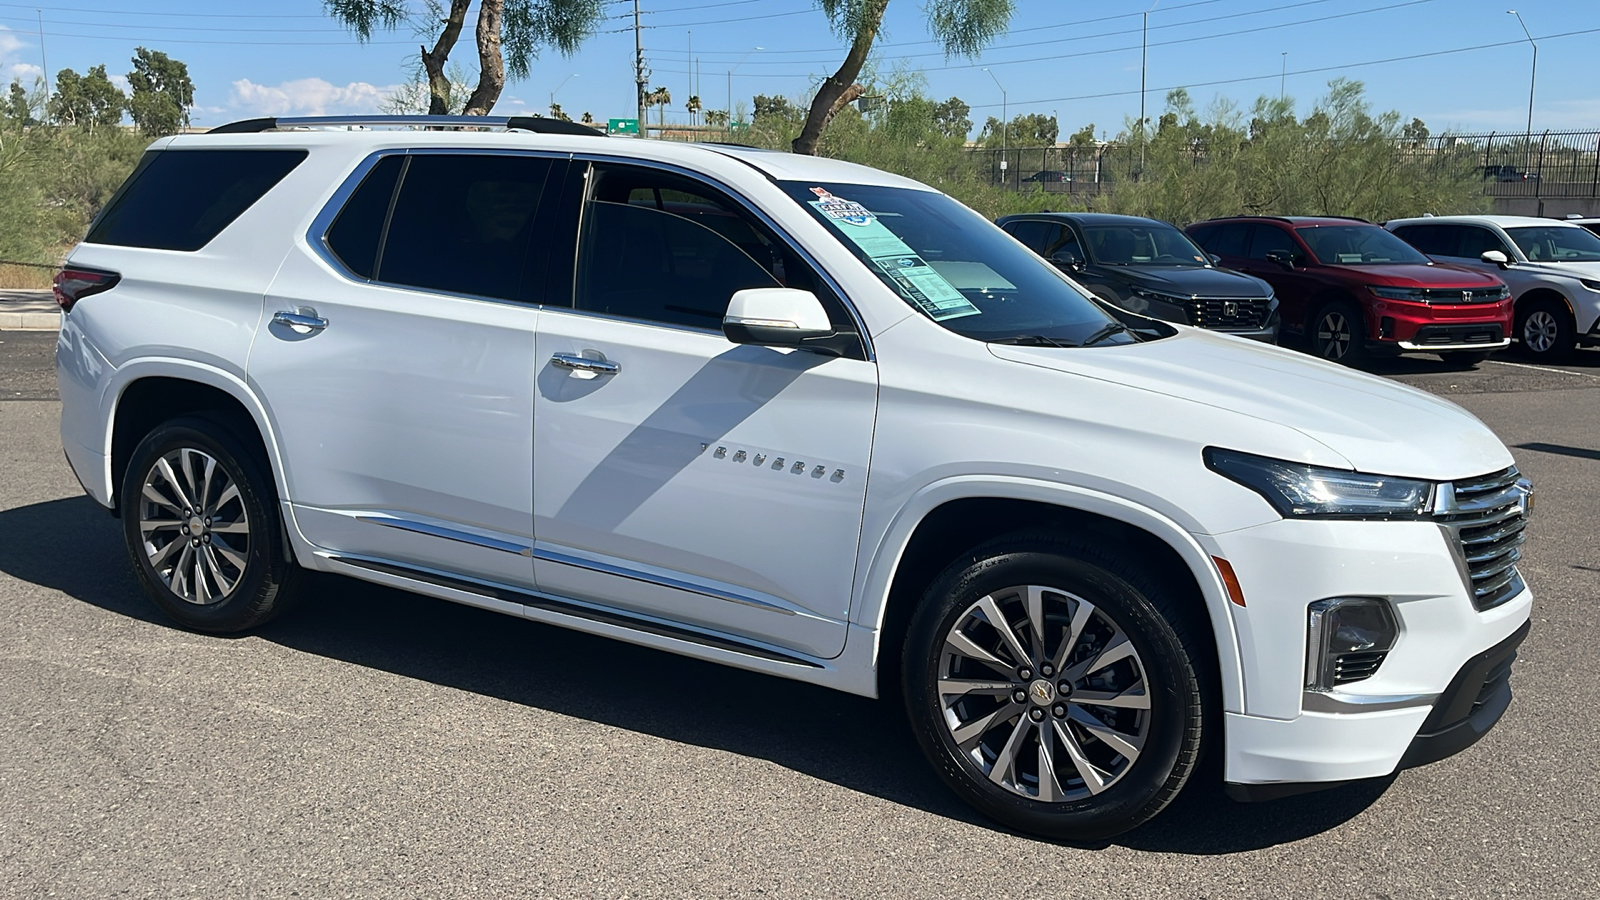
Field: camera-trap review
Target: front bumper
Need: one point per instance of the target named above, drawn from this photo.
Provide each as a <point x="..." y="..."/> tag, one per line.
<point x="1420" y="327"/>
<point x="1287" y="739"/>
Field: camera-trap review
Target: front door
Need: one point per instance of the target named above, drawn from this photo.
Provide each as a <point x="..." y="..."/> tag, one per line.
<point x="680" y="475"/>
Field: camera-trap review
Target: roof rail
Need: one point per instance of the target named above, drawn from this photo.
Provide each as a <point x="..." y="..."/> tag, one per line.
<point x="510" y="123"/>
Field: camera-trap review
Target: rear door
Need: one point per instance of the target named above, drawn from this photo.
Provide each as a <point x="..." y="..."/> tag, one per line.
<point x="1295" y="288"/>
<point x="398" y="364"/>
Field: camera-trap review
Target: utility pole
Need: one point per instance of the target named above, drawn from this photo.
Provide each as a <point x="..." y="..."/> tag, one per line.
<point x="1283" y="79"/>
<point x="1144" y="58"/>
<point x="43" y="61"/>
<point x="1533" y="75"/>
<point x="690" y="73"/>
<point x="638" y="68"/>
<point x="1005" y="124"/>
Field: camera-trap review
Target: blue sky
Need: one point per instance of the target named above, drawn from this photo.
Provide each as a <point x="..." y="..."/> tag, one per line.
<point x="1077" y="60"/>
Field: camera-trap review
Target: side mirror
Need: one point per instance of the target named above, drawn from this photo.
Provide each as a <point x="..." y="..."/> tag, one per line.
<point x="1498" y="257"/>
<point x="1215" y="259"/>
<point x="1285" y="258"/>
<point x="775" y="317"/>
<point x="1067" y="260"/>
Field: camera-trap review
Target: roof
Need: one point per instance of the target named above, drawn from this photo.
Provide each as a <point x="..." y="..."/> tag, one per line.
<point x="1296" y="221"/>
<point x="1087" y="218"/>
<point x="1502" y="221"/>
<point x="368" y="134"/>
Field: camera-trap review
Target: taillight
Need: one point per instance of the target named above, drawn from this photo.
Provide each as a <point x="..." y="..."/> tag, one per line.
<point x="74" y="284"/>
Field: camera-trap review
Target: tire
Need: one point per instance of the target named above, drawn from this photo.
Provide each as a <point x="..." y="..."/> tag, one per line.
<point x="1115" y="763"/>
<point x="1546" y="331"/>
<point x="1338" y="334"/>
<point x="1465" y="359"/>
<point x="235" y="572"/>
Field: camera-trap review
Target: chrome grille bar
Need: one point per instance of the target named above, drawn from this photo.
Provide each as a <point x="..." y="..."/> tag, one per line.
<point x="1485" y="517"/>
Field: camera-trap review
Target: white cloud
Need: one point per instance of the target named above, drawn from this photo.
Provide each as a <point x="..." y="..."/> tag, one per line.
<point x="121" y="81"/>
<point x="26" y="72"/>
<point x="306" y="97"/>
<point x="9" y="42"/>
<point x="11" y="47"/>
<point x="1560" y="115"/>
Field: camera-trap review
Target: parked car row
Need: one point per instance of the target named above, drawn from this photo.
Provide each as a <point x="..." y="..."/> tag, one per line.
<point x="1458" y="286"/>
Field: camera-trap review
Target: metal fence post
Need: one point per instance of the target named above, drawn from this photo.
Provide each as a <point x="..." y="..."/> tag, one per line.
<point x="1540" y="180"/>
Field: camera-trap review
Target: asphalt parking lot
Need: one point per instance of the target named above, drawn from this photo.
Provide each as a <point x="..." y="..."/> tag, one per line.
<point x="377" y="744"/>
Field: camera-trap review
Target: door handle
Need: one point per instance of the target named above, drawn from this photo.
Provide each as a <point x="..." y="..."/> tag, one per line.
<point x="584" y="365"/>
<point x="302" y="321"/>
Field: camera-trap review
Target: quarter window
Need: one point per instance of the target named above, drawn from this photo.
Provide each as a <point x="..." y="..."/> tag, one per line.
<point x="358" y="229"/>
<point x="181" y="199"/>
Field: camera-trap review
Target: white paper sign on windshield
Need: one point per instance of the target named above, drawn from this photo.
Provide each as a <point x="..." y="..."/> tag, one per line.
<point x="918" y="281"/>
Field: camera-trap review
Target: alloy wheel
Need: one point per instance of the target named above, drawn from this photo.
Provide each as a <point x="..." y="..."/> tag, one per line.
<point x="194" y="527"/>
<point x="1540" y="331"/>
<point x="1044" y="693"/>
<point x="1333" y="335"/>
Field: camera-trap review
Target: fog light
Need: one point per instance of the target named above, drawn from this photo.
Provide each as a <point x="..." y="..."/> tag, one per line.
<point x="1386" y="327"/>
<point x="1347" y="639"/>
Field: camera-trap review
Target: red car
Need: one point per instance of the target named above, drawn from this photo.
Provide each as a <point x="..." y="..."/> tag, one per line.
<point x="1353" y="288"/>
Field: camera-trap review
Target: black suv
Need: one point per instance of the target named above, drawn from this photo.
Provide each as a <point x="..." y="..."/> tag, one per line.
<point x="1151" y="268"/>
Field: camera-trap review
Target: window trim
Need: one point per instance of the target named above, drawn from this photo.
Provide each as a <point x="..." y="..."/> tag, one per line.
<point x="317" y="235"/>
<point x="868" y="353"/>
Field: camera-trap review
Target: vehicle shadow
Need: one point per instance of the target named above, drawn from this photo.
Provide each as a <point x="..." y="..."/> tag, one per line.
<point x="854" y="742"/>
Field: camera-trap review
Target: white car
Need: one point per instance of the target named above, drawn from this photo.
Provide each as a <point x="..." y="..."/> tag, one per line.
<point x="791" y="415"/>
<point x="1552" y="267"/>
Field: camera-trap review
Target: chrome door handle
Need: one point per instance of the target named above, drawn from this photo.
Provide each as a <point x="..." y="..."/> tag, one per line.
<point x="583" y="364"/>
<point x="302" y="321"/>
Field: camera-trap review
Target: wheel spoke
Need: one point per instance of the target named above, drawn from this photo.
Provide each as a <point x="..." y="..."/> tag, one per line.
<point x="223" y="584"/>
<point x="228" y="553"/>
<point x="191" y="484"/>
<point x="231" y="492"/>
<point x="205" y="483"/>
<point x="240" y="527"/>
<point x="1006" y="763"/>
<point x="180" y="572"/>
<point x="1113" y="739"/>
<point x="155" y="496"/>
<point x="1131" y="698"/>
<point x="1080" y="619"/>
<point x="202" y="590"/>
<point x="1117" y="650"/>
<point x="172" y="481"/>
<point x="961" y="687"/>
<point x="991" y="612"/>
<point x="968" y="735"/>
<point x="148" y="527"/>
<point x="959" y="643"/>
<point x="158" y="557"/>
<point x="1049" y="786"/>
<point x="1093" y="778"/>
<point x="1033" y="601"/>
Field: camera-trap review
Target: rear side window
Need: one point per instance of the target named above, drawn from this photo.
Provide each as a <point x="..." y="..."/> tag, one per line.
<point x="1033" y="233"/>
<point x="181" y="199"/>
<point x="464" y="224"/>
<point x="356" y="233"/>
<point x="1224" y="240"/>
<point x="1434" y="240"/>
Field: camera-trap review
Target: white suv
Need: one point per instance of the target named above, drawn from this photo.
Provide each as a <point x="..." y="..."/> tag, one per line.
<point x="1552" y="267"/>
<point x="799" y="417"/>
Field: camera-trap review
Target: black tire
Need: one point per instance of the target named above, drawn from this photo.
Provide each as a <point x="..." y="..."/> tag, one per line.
<point x="1338" y="333"/>
<point x="1166" y="657"/>
<point x="1465" y="359"/>
<point x="1545" y="330"/>
<point x="264" y="586"/>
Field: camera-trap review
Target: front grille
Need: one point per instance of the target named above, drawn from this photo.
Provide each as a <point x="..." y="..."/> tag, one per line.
<point x="1444" y="335"/>
<point x="1228" y="312"/>
<point x="1348" y="667"/>
<point x="1458" y="295"/>
<point x="1486" y="516"/>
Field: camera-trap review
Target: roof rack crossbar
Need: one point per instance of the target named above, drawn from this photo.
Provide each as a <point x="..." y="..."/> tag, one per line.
<point x="510" y="123"/>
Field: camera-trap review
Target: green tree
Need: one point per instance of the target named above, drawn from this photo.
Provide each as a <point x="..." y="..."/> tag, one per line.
<point x="509" y="35"/>
<point x="769" y="107"/>
<point x="556" y="112"/>
<point x="717" y="118"/>
<point x="965" y="27"/>
<point x="693" y="105"/>
<point x="1083" y="138"/>
<point x="162" y="93"/>
<point x="952" y="118"/>
<point x="659" y="98"/>
<point x="20" y="106"/>
<point x="1026" y="130"/>
<point x="86" y="101"/>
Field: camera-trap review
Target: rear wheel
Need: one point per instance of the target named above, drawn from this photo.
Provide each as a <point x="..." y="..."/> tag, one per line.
<point x="1052" y="687"/>
<point x="1338" y="335"/>
<point x="1545" y="329"/>
<point x="200" y="519"/>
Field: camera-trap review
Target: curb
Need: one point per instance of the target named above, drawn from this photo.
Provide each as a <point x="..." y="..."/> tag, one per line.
<point x="30" y="321"/>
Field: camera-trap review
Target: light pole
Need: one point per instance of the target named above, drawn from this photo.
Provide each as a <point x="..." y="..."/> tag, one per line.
<point x="730" y="81"/>
<point x="1283" y="79"/>
<point x="558" y="88"/>
<point x="1144" y="58"/>
<point x="1005" y="123"/>
<point x="1533" y="74"/>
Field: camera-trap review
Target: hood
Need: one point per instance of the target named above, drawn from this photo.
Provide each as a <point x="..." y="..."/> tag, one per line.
<point x="1190" y="281"/>
<point x="1569" y="269"/>
<point x="1438" y="275"/>
<point x="1379" y="426"/>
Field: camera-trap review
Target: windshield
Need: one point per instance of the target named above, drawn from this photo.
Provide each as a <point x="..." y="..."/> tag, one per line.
<point x="1142" y="244"/>
<point x="956" y="267"/>
<point x="1556" y="243"/>
<point x="1358" y="245"/>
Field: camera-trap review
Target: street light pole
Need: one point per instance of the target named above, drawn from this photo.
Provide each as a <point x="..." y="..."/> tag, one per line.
<point x="730" y="81"/>
<point x="558" y="89"/>
<point x="1283" y="79"/>
<point x="1144" y="58"/>
<point x="1533" y="74"/>
<point x="1005" y="122"/>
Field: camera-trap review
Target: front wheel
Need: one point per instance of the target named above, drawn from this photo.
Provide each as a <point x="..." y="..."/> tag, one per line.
<point x="1338" y="335"/>
<point x="1048" y="685"/>
<point x="200" y="516"/>
<point x="1545" y="329"/>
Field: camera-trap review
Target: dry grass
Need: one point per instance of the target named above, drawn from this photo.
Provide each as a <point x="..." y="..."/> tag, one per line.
<point x="25" y="277"/>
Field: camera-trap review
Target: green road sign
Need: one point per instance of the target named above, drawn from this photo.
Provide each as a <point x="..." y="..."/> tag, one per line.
<point x="622" y="126"/>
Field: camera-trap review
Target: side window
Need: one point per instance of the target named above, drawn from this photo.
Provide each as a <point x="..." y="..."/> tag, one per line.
<point x="1230" y="239"/>
<point x="358" y="228"/>
<point x="181" y="199"/>
<point x="1434" y="240"/>
<point x="464" y="224"/>
<point x="1034" y="234"/>
<point x="1267" y="238"/>
<point x="1063" y="241"/>
<point x="663" y="248"/>
<point x="1476" y="241"/>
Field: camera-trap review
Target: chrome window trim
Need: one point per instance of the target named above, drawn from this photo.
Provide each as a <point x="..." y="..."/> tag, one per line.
<point x="317" y="235"/>
<point x="744" y="204"/>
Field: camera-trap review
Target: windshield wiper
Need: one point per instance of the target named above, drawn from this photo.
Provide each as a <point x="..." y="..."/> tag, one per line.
<point x="1031" y="340"/>
<point x="1109" y="329"/>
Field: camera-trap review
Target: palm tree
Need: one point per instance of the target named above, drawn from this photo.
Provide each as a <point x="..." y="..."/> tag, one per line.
<point x="693" y="106"/>
<point x="556" y="113"/>
<point x="588" y="118"/>
<point x="716" y="117"/>
<point x="659" y="98"/>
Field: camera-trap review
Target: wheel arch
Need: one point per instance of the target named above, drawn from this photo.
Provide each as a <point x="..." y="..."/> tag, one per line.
<point x="1543" y="292"/>
<point x="949" y="518"/>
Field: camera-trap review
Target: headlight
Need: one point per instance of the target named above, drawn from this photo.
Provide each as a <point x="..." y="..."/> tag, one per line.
<point x="1301" y="491"/>
<point x="1157" y="295"/>
<point x="1505" y="293"/>
<point x="1590" y="283"/>
<point x="1411" y="295"/>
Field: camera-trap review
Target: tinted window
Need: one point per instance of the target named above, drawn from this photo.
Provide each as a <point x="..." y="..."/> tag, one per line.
<point x="181" y="199"/>
<point x="1358" y="245"/>
<point x="1063" y="242"/>
<point x="1142" y="244"/>
<point x="1434" y="240"/>
<point x="354" y="236"/>
<point x="1556" y="243"/>
<point x="464" y="224"/>
<point x="1476" y="241"/>
<point x="1267" y="238"/>
<point x="1225" y="240"/>
<point x="1035" y="234"/>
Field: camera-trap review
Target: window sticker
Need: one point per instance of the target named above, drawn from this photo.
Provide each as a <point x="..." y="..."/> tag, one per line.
<point x="918" y="281"/>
